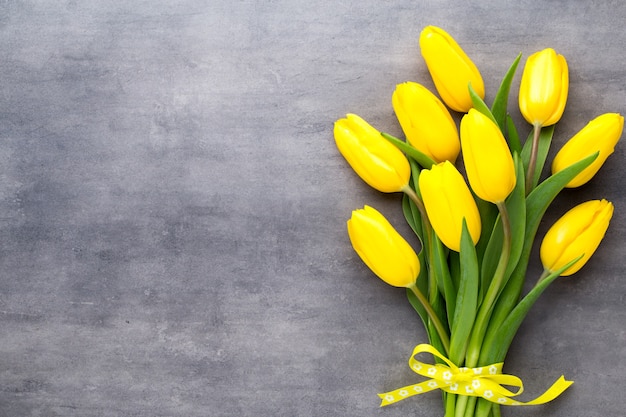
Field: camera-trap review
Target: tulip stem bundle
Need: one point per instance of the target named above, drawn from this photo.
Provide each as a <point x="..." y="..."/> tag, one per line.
<point x="477" y="228"/>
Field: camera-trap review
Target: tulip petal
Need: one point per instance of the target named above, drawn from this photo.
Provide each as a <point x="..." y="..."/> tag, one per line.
<point x="379" y="163"/>
<point x="426" y="122"/>
<point x="488" y="161"/>
<point x="544" y="88"/>
<point x="501" y="99"/>
<point x="599" y="135"/>
<point x="450" y="68"/>
<point x="382" y="248"/>
<point x="578" y="232"/>
<point x="448" y="201"/>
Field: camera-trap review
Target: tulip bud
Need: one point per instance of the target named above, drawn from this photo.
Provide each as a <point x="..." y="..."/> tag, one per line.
<point x="488" y="161"/>
<point x="577" y="233"/>
<point x="382" y="248"/>
<point x="600" y="135"/>
<point x="426" y="122"/>
<point x="378" y="162"/>
<point x="448" y="201"/>
<point x="543" y="89"/>
<point x="451" y="69"/>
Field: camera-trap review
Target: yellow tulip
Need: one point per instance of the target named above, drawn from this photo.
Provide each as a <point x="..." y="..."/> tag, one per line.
<point x="451" y="69"/>
<point x="426" y="122"/>
<point x="578" y="232"/>
<point x="544" y="87"/>
<point x="382" y="248"/>
<point x="599" y="135"/>
<point x="375" y="160"/>
<point x="487" y="158"/>
<point x="448" y="201"/>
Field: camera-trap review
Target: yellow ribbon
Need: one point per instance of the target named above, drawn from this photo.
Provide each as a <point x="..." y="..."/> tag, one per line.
<point x="485" y="382"/>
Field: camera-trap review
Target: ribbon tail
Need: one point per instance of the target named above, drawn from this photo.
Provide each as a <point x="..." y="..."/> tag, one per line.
<point x="400" y="394"/>
<point x="551" y="393"/>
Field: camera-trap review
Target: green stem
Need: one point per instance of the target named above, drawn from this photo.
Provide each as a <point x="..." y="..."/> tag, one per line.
<point x="543" y="276"/>
<point x="532" y="163"/>
<point x="441" y="331"/>
<point x="495" y="410"/>
<point x="461" y="405"/>
<point x="418" y="203"/>
<point x="484" y="312"/>
<point x="450" y="404"/>
<point x="470" y="408"/>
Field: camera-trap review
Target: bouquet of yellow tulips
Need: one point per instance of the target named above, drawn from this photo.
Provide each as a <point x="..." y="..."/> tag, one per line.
<point x="466" y="283"/>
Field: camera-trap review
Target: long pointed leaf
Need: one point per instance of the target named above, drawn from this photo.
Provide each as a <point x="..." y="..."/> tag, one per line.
<point x="480" y="105"/>
<point x="488" y="215"/>
<point x="466" y="300"/>
<point x="491" y="256"/>
<point x="513" y="136"/>
<point x="422" y="281"/>
<point x="439" y="307"/>
<point x="421" y="158"/>
<point x="411" y="214"/>
<point x="509" y="327"/>
<point x="541" y="197"/>
<point x="442" y="273"/>
<point x="499" y="106"/>
<point x="516" y="206"/>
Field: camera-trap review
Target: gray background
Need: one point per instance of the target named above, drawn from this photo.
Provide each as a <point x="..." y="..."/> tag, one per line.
<point x="173" y="207"/>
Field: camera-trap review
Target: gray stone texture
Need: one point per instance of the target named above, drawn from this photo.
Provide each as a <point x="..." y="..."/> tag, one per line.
<point x="173" y="207"/>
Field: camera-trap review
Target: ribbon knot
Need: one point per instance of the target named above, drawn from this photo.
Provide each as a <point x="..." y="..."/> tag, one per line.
<point x="485" y="381"/>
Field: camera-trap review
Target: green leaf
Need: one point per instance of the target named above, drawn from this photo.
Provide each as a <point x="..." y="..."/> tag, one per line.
<point x="480" y="105"/>
<point x="488" y="215"/>
<point x="415" y="174"/>
<point x="439" y="307"/>
<point x="422" y="285"/>
<point x="442" y="274"/>
<point x="516" y="206"/>
<point x="466" y="300"/>
<point x="411" y="214"/>
<point x="513" y="136"/>
<point x="421" y="158"/>
<point x="500" y="102"/>
<point x="455" y="268"/>
<point x="541" y="197"/>
<point x="509" y="327"/>
<point x="410" y="210"/>
<point x="491" y="256"/>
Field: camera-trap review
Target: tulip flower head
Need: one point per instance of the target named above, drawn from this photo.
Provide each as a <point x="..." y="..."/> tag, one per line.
<point x="378" y="162"/>
<point x="382" y="248"/>
<point x="426" y="122"/>
<point x="544" y="87"/>
<point x="450" y="68"/>
<point x="488" y="161"/>
<point x="448" y="201"/>
<point x="599" y="135"/>
<point x="578" y="232"/>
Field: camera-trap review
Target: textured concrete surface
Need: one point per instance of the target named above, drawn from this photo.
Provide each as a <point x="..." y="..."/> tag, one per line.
<point x="172" y="206"/>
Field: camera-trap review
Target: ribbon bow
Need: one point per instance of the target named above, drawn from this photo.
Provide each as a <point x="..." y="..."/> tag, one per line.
<point x="484" y="381"/>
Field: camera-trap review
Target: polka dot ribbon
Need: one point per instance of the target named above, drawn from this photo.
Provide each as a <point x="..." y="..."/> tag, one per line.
<point x="485" y="382"/>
